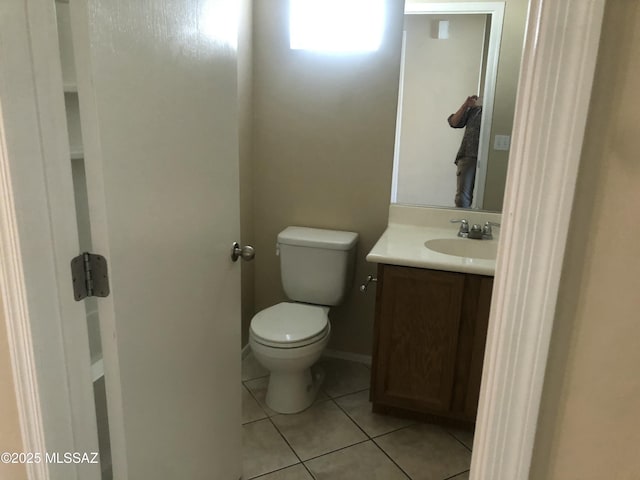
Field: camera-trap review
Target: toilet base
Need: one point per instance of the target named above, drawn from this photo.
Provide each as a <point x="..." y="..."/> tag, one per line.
<point x="294" y="381"/>
<point x="293" y="392"/>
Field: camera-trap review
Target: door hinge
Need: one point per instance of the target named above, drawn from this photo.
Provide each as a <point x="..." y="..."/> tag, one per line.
<point x="90" y="276"/>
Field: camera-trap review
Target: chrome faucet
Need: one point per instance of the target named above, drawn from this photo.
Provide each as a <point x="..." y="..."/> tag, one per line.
<point x="475" y="231"/>
<point x="464" y="227"/>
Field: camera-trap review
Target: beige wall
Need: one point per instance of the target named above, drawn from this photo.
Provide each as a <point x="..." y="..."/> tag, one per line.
<point x="515" y="19"/>
<point x="10" y="437"/>
<point x="323" y="150"/>
<point x="589" y="427"/>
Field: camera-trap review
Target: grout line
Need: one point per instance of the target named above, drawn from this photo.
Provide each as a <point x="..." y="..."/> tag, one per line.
<point x="352" y="420"/>
<point x="392" y="460"/>
<point x="288" y="444"/>
<point x="307" y="469"/>
<point x="285" y="440"/>
<point x="368" y="439"/>
<point x="254" y="421"/>
<point x="256" y="400"/>
<point x="253" y="378"/>
<point x="273" y="471"/>
<point x="459" y="441"/>
<point x="245" y="351"/>
<point x="393" y="431"/>
<point x="337" y="450"/>
<point x="456" y="475"/>
<point x="346" y="394"/>
<point x="326" y="453"/>
<point x="292" y="449"/>
<point x="296" y="453"/>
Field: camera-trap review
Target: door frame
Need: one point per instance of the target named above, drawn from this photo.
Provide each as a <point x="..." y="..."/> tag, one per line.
<point x="554" y="90"/>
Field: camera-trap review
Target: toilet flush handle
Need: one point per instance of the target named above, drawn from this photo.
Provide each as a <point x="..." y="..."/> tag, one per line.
<point x="247" y="252"/>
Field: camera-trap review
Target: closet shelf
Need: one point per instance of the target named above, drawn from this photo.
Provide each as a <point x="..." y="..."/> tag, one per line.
<point x="77" y="153"/>
<point x="97" y="369"/>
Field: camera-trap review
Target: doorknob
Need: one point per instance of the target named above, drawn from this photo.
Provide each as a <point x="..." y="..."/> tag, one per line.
<point x="247" y="252"/>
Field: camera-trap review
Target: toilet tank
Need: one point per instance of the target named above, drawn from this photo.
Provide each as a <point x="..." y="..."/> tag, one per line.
<point x="316" y="265"/>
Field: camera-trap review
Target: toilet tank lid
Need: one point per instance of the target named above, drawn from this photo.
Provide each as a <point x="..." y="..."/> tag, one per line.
<point x="317" y="237"/>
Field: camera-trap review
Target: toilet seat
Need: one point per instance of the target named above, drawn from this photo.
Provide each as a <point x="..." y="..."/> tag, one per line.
<point x="290" y="325"/>
<point x="287" y="345"/>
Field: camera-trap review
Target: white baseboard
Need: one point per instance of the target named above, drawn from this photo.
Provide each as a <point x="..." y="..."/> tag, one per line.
<point x="354" y="357"/>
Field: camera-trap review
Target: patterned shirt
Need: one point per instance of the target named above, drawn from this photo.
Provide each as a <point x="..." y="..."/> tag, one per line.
<point x="471" y="120"/>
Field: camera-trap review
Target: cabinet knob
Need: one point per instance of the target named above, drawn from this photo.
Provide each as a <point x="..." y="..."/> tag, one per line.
<point x="370" y="278"/>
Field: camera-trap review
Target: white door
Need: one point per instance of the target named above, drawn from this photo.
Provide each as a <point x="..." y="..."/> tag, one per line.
<point x="158" y="108"/>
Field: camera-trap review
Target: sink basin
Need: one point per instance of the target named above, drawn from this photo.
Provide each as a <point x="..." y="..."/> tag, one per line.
<point x="464" y="247"/>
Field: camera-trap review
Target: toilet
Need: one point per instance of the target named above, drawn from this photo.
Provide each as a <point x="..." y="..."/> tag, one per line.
<point x="316" y="268"/>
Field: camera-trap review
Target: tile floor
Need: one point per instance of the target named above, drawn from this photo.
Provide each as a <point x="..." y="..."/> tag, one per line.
<point x="339" y="438"/>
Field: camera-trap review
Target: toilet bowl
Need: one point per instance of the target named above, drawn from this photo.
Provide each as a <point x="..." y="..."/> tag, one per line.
<point x="289" y="353"/>
<point x="288" y="338"/>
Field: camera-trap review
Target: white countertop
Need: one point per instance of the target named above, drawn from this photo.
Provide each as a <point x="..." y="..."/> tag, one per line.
<point x="403" y="242"/>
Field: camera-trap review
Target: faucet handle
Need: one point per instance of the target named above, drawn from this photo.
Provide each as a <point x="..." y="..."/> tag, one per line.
<point x="464" y="227"/>
<point x="487" y="233"/>
<point x="462" y="221"/>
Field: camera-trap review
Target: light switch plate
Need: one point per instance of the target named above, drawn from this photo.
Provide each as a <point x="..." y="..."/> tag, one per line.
<point x="502" y="142"/>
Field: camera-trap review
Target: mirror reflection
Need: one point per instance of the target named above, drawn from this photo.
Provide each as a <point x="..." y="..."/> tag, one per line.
<point x="456" y="102"/>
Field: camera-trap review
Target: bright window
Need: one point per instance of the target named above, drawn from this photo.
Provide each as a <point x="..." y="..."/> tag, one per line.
<point x="336" y="25"/>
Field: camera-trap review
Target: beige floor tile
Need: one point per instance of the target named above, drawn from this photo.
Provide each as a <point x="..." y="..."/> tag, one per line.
<point x="364" y="461"/>
<point x="464" y="436"/>
<point x="426" y="452"/>
<point x="297" y="472"/>
<point x="343" y="377"/>
<point x="263" y="449"/>
<point x="251" y="411"/>
<point x="358" y="407"/>
<point x="252" y="369"/>
<point x="318" y="430"/>
<point x="258" y="388"/>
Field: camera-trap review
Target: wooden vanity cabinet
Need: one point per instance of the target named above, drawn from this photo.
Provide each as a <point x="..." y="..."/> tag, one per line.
<point x="429" y="338"/>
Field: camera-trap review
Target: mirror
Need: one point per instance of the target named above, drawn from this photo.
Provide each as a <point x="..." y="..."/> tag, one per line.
<point x="450" y="52"/>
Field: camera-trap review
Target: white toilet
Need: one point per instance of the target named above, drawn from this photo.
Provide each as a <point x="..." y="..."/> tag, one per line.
<point x="316" y="267"/>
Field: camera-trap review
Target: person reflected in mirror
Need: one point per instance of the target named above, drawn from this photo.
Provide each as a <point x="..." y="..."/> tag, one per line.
<point x="468" y="115"/>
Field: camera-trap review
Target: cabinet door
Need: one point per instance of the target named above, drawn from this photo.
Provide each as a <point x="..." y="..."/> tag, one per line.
<point x="417" y="324"/>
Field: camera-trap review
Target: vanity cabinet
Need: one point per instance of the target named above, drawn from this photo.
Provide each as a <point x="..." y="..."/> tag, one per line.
<point x="429" y="339"/>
